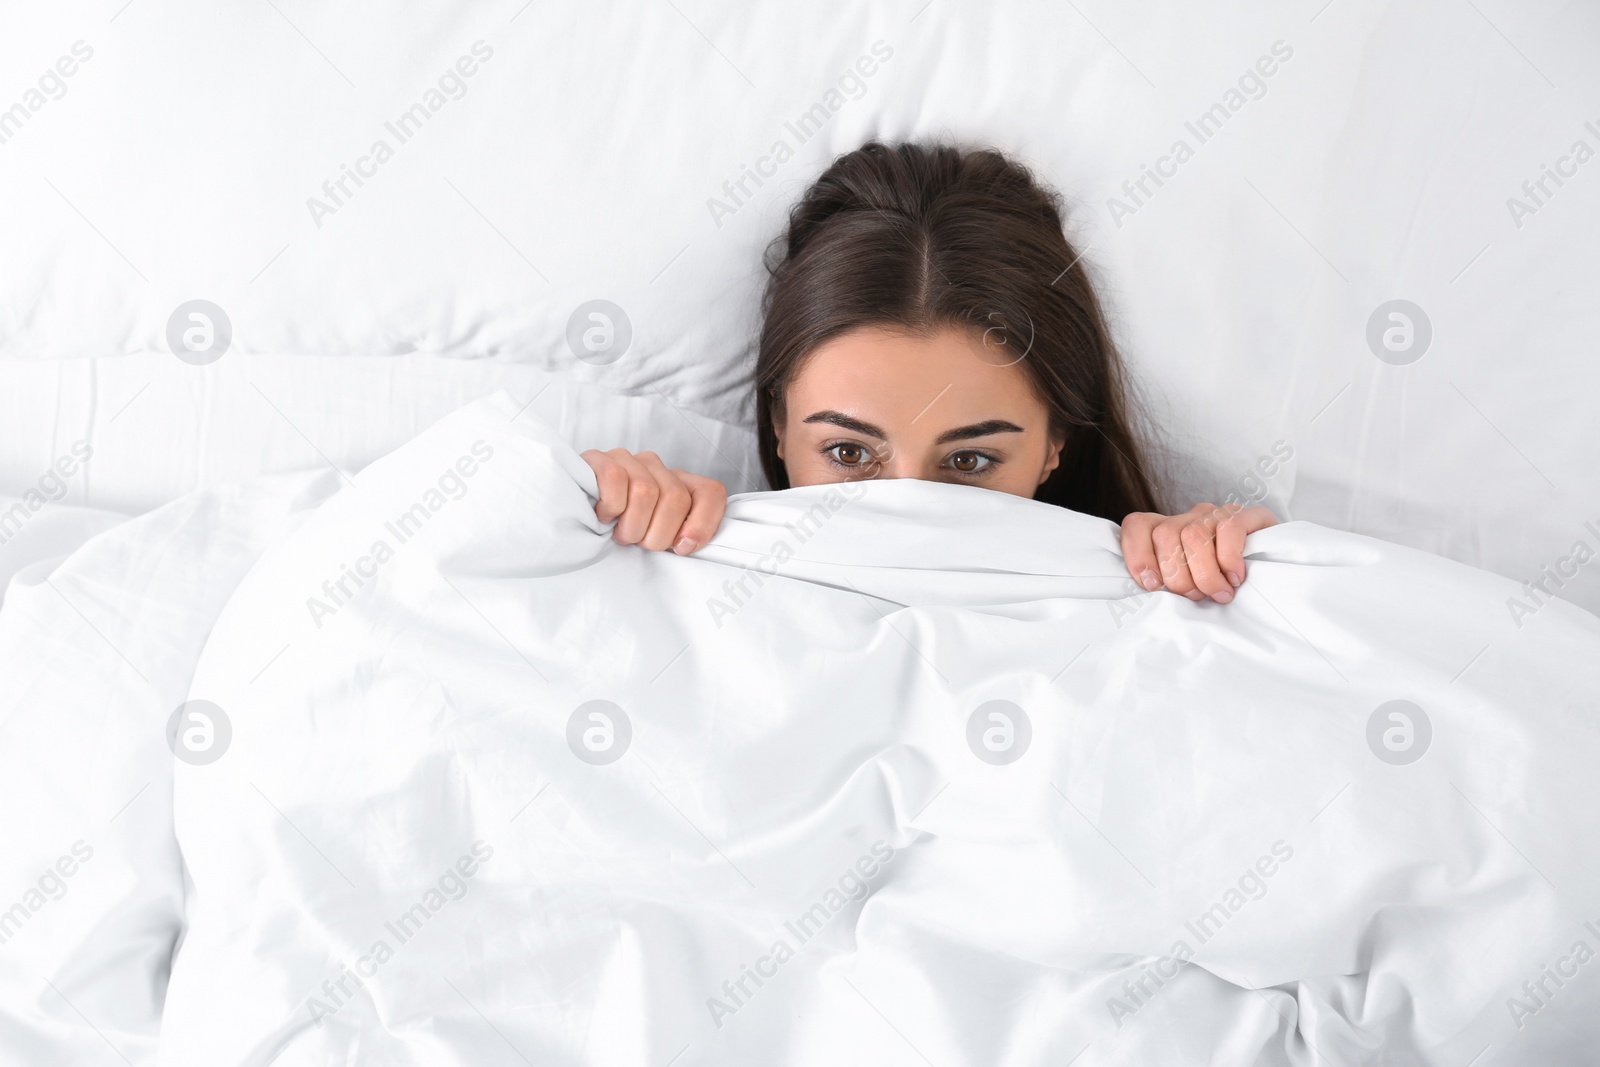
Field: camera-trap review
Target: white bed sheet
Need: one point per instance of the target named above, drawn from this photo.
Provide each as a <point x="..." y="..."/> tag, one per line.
<point x="421" y="722"/>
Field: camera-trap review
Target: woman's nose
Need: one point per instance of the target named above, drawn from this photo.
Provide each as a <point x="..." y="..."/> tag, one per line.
<point x="886" y="462"/>
<point x="898" y="467"/>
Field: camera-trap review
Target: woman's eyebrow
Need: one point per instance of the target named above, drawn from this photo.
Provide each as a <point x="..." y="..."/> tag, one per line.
<point x="840" y="419"/>
<point x="979" y="429"/>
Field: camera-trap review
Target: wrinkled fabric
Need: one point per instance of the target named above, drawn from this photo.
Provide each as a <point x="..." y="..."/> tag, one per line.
<point x="890" y="773"/>
<point x="800" y="855"/>
<point x="100" y="628"/>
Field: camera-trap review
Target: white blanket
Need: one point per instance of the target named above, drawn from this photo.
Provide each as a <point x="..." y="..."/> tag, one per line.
<point x="900" y="773"/>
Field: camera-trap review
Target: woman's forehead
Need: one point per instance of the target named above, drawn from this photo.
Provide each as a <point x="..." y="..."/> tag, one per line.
<point x="935" y="379"/>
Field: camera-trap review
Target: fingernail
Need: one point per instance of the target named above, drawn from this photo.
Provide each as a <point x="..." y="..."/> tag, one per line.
<point x="1195" y="595"/>
<point x="1223" y="597"/>
<point x="1149" y="579"/>
<point x="685" y="546"/>
<point x="1235" y="579"/>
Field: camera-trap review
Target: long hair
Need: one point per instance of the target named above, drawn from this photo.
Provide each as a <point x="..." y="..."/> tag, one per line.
<point x="925" y="237"/>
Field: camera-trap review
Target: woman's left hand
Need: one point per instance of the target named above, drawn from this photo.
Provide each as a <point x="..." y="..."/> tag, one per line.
<point x="1198" y="554"/>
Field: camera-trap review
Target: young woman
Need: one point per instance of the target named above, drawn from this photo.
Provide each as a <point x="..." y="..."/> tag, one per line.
<point x="925" y="317"/>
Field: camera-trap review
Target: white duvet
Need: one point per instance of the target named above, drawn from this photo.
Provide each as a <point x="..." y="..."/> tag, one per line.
<point x="898" y="773"/>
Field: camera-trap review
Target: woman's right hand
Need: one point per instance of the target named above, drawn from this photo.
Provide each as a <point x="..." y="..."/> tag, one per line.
<point x="655" y="506"/>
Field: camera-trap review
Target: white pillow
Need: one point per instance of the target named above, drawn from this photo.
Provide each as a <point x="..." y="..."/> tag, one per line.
<point x="155" y="428"/>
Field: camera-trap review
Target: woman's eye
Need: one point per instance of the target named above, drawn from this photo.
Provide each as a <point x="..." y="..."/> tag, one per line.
<point x="969" y="462"/>
<point x="850" y="455"/>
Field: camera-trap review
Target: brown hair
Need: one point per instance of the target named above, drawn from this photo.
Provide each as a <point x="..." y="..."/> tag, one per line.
<point x="921" y="237"/>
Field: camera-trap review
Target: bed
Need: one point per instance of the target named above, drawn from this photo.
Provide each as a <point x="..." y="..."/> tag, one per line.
<point x="264" y="260"/>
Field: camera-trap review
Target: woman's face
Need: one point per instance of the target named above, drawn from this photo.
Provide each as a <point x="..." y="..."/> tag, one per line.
<point x="945" y="407"/>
